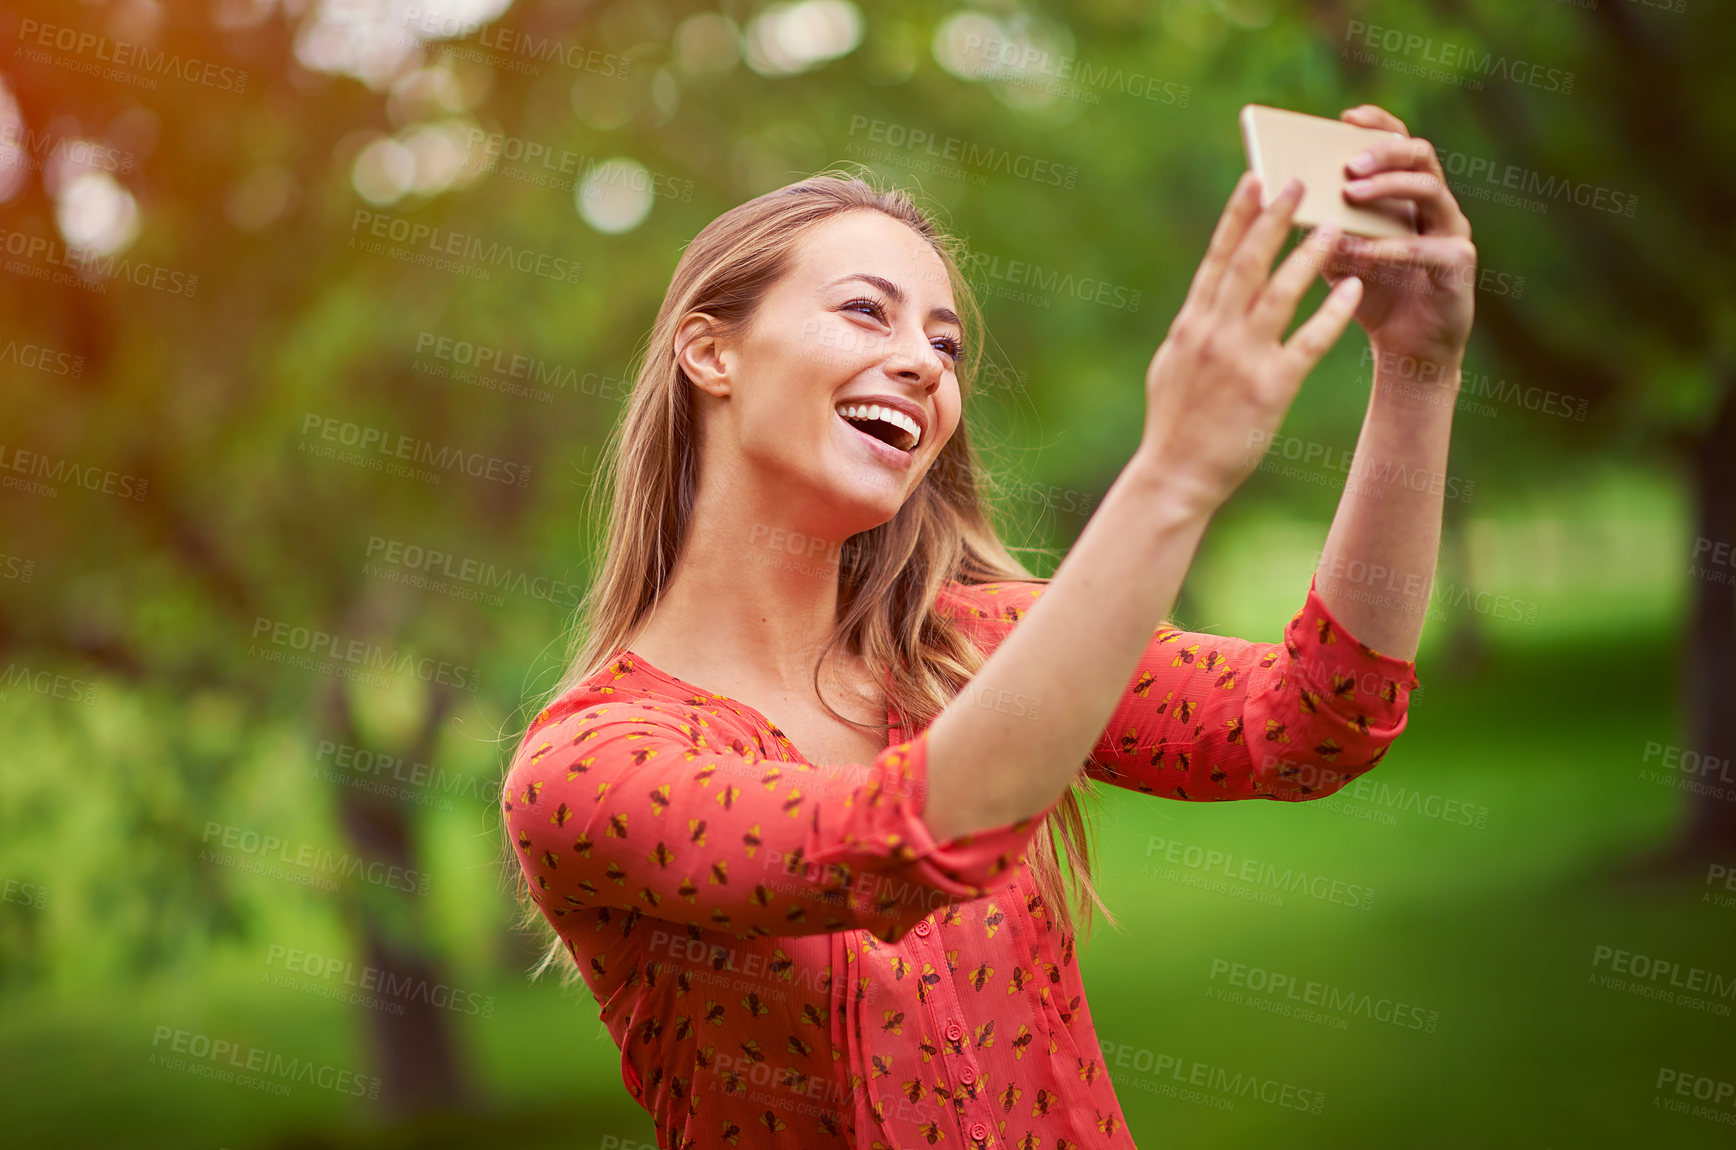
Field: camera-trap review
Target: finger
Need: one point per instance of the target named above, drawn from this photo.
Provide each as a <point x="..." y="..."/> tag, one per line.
<point x="1276" y="303"/>
<point x="1243" y="205"/>
<point x="1373" y="116"/>
<point x="1394" y="153"/>
<point x="1246" y="271"/>
<point x="1322" y="329"/>
<point x="1437" y="211"/>
<point x="1357" y="254"/>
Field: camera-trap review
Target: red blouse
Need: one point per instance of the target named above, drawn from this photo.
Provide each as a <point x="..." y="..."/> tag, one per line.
<point x="787" y="958"/>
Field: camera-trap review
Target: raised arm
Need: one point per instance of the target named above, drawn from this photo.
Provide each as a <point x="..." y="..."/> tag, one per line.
<point x="640" y="806"/>
<point x="1377" y="569"/>
<point x="1222" y="370"/>
<point x="1208" y="717"/>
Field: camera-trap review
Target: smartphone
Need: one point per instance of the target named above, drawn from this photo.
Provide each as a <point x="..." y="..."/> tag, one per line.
<point x="1314" y="149"/>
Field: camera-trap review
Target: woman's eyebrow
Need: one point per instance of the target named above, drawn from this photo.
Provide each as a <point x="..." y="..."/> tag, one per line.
<point x="944" y="314"/>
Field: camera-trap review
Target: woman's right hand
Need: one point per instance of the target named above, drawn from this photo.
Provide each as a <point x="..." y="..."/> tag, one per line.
<point x="1220" y="384"/>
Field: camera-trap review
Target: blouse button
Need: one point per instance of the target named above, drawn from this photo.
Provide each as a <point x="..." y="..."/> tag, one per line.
<point x="969" y="1075"/>
<point x="922" y="928"/>
<point x="979" y="1131"/>
<point x="954" y="1032"/>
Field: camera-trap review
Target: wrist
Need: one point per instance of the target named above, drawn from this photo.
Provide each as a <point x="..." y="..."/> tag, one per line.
<point x="1433" y="365"/>
<point x="1404" y="375"/>
<point x="1156" y="483"/>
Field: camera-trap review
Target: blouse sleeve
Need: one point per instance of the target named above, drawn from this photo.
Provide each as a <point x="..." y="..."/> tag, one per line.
<point x="635" y="805"/>
<point x="1206" y="717"/>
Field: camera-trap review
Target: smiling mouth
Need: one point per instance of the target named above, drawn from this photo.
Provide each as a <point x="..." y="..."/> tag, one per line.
<point x="892" y="428"/>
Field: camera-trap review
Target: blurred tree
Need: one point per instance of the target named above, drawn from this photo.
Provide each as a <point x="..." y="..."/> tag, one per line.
<point x="271" y="312"/>
<point x="1634" y="314"/>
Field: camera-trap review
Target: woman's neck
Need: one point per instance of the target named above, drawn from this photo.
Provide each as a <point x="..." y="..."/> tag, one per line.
<point x="750" y="599"/>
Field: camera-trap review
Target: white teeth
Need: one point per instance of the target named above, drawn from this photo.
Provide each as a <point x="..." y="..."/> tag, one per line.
<point x="888" y="414"/>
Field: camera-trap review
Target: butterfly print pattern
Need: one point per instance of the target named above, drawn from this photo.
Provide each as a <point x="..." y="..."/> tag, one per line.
<point x="784" y="955"/>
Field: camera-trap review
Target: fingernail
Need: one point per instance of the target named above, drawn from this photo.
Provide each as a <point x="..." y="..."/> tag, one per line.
<point x="1293" y="188"/>
<point x="1358" y="186"/>
<point x="1326" y="235"/>
<point x="1362" y="163"/>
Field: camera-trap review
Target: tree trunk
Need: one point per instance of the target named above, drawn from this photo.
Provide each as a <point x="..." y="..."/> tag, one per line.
<point x="1709" y="678"/>
<point x="415" y="1054"/>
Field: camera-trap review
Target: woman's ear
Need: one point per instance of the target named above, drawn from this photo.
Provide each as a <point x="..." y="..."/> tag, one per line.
<point x="701" y="354"/>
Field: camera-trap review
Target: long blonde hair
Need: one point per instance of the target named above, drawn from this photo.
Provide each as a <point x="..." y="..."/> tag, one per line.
<point x="888" y="576"/>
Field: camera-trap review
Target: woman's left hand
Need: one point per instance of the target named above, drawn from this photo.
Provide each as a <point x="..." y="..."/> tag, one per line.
<point x="1417" y="290"/>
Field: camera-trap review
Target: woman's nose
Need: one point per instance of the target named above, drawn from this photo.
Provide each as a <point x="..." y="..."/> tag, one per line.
<point x="917" y="364"/>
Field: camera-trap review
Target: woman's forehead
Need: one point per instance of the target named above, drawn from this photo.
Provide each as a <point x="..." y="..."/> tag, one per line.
<point x="873" y="243"/>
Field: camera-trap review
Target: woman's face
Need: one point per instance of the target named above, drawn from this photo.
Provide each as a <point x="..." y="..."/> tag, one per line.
<point x="863" y="318"/>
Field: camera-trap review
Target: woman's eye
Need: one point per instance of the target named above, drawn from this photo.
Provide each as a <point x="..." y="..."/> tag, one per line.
<point x="946" y="343"/>
<point x="867" y="307"/>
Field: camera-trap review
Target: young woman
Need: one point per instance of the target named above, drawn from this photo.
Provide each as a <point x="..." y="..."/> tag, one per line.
<point x="793" y="812"/>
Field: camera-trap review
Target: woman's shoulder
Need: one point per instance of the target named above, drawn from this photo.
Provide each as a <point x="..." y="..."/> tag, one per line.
<point x="624" y="687"/>
<point x="1001" y="600"/>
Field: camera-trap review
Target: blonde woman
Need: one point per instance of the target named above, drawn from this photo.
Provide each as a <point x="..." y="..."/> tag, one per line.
<point x="801" y="809"/>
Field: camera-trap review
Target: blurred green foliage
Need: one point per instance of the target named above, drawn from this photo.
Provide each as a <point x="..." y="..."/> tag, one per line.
<point x="204" y="398"/>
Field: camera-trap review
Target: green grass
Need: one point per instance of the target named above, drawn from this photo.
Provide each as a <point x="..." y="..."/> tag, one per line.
<point x="1492" y="929"/>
